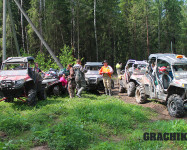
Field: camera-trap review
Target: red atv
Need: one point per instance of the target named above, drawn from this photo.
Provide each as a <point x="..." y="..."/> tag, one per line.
<point x="52" y="83"/>
<point x="18" y="80"/>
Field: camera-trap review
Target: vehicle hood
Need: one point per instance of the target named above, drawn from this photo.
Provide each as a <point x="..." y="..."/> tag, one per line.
<point x="92" y="74"/>
<point x="50" y="80"/>
<point x="14" y="75"/>
<point x="180" y="83"/>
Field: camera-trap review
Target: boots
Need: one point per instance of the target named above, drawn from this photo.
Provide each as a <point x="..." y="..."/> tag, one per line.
<point x="110" y="92"/>
<point x="80" y="91"/>
<point x="106" y="91"/>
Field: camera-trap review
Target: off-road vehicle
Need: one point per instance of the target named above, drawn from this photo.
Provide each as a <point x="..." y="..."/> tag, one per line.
<point x="52" y="84"/>
<point x="93" y="79"/>
<point x="18" y="80"/>
<point x="133" y="71"/>
<point x="170" y="86"/>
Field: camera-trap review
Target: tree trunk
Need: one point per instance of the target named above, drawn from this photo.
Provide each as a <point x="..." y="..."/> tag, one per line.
<point x="78" y="38"/>
<point x="22" y="29"/>
<point x="159" y="19"/>
<point x="40" y="23"/>
<point x="73" y="26"/>
<point x="95" y="29"/>
<point x="147" y="28"/>
<point x="27" y="42"/>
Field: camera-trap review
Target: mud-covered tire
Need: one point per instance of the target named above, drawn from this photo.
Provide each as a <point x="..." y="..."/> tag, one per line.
<point x="32" y="97"/>
<point x="9" y="100"/>
<point x="112" y="84"/>
<point x="175" y="106"/>
<point x="140" y="95"/>
<point x="42" y="95"/>
<point x="131" y="89"/>
<point x="121" y="89"/>
<point x="56" y="90"/>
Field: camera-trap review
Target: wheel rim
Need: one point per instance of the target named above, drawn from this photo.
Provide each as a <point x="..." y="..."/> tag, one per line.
<point x="137" y="95"/>
<point x="173" y="106"/>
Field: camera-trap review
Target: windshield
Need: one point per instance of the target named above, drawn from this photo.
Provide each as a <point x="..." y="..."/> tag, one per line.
<point x="93" y="68"/>
<point x="180" y="71"/>
<point x="139" y="68"/>
<point x="13" y="72"/>
<point x="14" y="66"/>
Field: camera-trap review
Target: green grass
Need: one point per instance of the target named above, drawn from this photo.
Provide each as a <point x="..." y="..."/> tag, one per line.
<point x="93" y="122"/>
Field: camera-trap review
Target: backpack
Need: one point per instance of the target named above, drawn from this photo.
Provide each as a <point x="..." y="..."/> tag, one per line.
<point x="78" y="74"/>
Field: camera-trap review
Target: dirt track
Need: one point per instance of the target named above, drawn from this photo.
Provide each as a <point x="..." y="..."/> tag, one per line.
<point x="155" y="106"/>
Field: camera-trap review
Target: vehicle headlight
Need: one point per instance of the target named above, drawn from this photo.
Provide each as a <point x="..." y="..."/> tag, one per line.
<point x="184" y="86"/>
<point x="19" y="82"/>
<point x="120" y="77"/>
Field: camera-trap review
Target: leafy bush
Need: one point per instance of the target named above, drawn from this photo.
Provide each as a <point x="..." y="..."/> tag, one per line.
<point x="13" y="124"/>
<point x="65" y="57"/>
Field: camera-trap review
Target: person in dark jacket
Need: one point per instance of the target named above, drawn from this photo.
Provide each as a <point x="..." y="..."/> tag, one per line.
<point x="71" y="81"/>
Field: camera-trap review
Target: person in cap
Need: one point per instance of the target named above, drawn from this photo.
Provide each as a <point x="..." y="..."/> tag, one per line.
<point x="79" y="77"/>
<point x="107" y="72"/>
<point x="118" y="70"/>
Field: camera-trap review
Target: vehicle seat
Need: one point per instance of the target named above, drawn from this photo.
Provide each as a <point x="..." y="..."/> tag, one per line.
<point x="166" y="79"/>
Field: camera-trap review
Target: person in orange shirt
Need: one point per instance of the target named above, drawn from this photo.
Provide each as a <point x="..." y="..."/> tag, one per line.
<point x="107" y="72"/>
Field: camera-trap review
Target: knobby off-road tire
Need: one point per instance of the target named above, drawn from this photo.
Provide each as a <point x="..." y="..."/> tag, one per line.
<point x="112" y="84"/>
<point x="56" y="90"/>
<point x="140" y="95"/>
<point x="131" y="89"/>
<point x="42" y="95"/>
<point x="32" y="97"/>
<point x="175" y="106"/>
<point x="121" y="89"/>
<point x="9" y="100"/>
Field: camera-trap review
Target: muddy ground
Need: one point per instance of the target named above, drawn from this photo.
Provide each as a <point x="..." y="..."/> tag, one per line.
<point x="156" y="106"/>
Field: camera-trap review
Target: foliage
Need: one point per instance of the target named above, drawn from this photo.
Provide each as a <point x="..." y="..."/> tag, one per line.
<point x="66" y="56"/>
<point x="92" y="122"/>
<point x="46" y="62"/>
<point x="121" y="28"/>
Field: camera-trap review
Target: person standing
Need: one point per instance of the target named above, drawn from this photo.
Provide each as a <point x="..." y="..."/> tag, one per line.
<point x="64" y="83"/>
<point x="107" y="72"/>
<point x="118" y="70"/>
<point x="79" y="77"/>
<point x="71" y="81"/>
<point x="38" y="69"/>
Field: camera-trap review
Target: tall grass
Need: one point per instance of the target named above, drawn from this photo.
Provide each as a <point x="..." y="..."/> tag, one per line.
<point x="93" y="122"/>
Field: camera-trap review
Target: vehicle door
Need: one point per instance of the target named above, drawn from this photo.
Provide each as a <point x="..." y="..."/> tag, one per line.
<point x="128" y="72"/>
<point x="163" y="79"/>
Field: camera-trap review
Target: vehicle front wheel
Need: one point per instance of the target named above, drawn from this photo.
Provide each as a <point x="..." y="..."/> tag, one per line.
<point x="112" y="84"/>
<point x="42" y="94"/>
<point x="9" y="100"/>
<point x="56" y="90"/>
<point x="140" y="95"/>
<point x="131" y="89"/>
<point x="175" y="106"/>
<point x="121" y="89"/>
<point x="32" y="97"/>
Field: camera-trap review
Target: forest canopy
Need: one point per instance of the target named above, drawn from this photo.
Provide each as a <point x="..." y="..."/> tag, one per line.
<point x="99" y="29"/>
